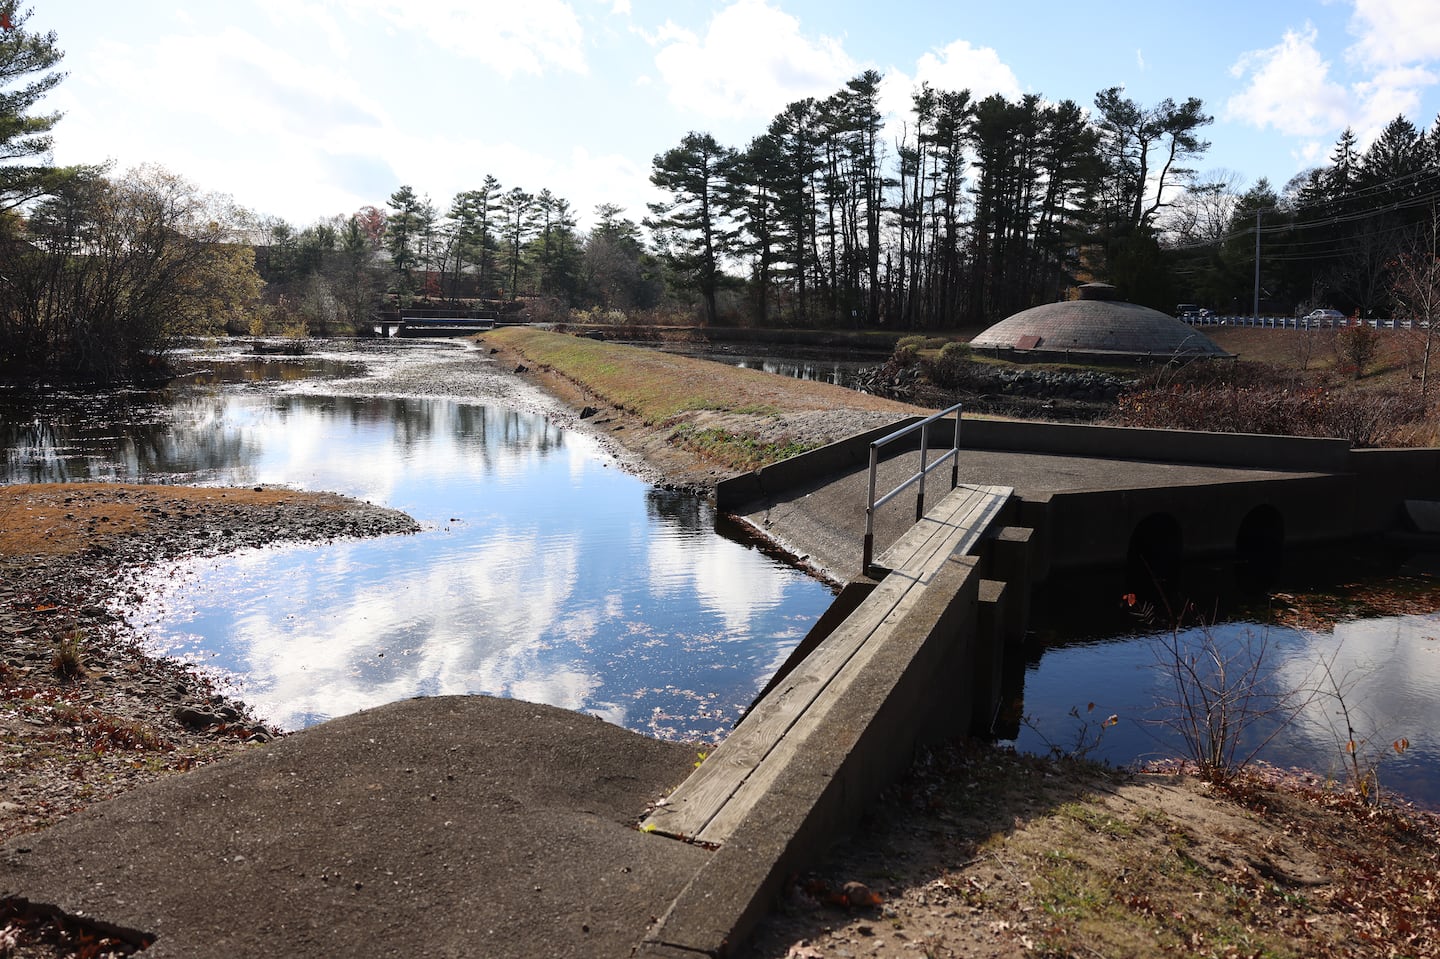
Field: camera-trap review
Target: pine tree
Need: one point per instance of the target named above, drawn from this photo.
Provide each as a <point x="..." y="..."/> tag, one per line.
<point x="25" y="171"/>
<point x="696" y="222"/>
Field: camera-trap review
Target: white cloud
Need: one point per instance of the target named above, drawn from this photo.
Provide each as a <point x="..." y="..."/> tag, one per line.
<point x="960" y="66"/>
<point x="275" y="130"/>
<point x="296" y="14"/>
<point x="954" y="67"/>
<point x="1289" y="88"/>
<point x="1395" y="32"/>
<point x="1389" y="94"/>
<point x="510" y="37"/>
<point x="751" y="62"/>
<point x="1292" y="87"/>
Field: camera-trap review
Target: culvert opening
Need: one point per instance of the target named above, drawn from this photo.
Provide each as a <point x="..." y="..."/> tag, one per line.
<point x="1259" y="547"/>
<point x="1152" y="565"/>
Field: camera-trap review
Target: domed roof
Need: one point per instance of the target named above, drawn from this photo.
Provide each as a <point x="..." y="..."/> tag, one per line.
<point x="1097" y="323"/>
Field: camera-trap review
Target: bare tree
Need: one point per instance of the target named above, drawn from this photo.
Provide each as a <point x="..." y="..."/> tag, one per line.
<point x="1203" y="213"/>
<point x="1415" y="288"/>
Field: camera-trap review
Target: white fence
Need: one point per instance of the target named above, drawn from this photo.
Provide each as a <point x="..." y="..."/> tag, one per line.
<point x="1292" y="323"/>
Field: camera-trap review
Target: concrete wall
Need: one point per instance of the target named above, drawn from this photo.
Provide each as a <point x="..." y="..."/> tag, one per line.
<point x="810" y="468"/>
<point x="1169" y="446"/>
<point x="1386" y="478"/>
<point x="912" y="688"/>
<point x="1362" y="495"/>
<point x="1089" y="529"/>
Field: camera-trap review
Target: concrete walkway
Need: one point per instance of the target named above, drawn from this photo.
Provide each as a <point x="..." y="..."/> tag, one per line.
<point x="824" y="521"/>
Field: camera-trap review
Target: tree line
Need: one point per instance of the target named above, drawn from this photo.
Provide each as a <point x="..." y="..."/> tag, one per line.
<point x="967" y="211"/>
<point x="1344" y="235"/>
<point x="490" y="247"/>
<point x="977" y="209"/>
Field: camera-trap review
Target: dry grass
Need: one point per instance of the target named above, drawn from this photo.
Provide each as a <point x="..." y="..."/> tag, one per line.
<point x="693" y="421"/>
<point x="62" y="519"/>
<point x="658" y="386"/>
<point x="1397" y="362"/>
<point x="982" y="852"/>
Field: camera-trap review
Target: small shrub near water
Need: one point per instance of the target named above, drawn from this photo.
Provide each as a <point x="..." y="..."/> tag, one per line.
<point x="907" y="350"/>
<point x="950" y="368"/>
<point x="67" y="662"/>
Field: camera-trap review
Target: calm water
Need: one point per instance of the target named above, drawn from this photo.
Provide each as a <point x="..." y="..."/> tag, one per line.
<point x="544" y="572"/>
<point x="798" y="363"/>
<point x="1386" y="669"/>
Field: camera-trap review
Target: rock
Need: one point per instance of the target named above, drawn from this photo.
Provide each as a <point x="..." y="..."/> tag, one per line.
<point x="195" y="718"/>
<point x="588" y="412"/>
<point x="522" y="368"/>
<point x="859" y="896"/>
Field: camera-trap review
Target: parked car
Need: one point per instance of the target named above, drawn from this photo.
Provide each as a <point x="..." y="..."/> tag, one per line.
<point x="1183" y="310"/>
<point x="1325" y="318"/>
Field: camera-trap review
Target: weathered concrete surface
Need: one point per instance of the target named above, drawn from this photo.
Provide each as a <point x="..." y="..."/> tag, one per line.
<point x="433" y="827"/>
<point x="824" y="519"/>
<point x="852" y="745"/>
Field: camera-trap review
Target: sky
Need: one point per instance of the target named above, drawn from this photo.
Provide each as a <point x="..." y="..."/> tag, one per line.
<point x="305" y="109"/>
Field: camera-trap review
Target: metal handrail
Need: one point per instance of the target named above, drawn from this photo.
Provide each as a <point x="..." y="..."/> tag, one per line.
<point x="953" y="454"/>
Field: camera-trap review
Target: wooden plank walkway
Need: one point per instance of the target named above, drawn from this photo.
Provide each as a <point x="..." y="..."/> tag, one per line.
<point x="712" y="802"/>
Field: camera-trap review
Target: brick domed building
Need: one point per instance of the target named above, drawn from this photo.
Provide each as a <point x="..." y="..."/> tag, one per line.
<point x="1097" y="323"/>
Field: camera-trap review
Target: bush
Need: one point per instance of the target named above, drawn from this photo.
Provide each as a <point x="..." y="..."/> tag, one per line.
<point x="907" y="350"/>
<point x="1357" y="347"/>
<point x="951" y="368"/>
<point x="1366" y="418"/>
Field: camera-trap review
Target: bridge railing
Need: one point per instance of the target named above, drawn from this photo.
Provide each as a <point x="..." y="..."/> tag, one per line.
<point x="951" y="455"/>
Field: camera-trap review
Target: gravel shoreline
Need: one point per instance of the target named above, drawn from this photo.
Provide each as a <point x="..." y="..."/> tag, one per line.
<point x="85" y="713"/>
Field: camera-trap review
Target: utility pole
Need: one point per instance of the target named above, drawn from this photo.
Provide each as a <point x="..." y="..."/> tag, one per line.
<point x="1256" y="312"/>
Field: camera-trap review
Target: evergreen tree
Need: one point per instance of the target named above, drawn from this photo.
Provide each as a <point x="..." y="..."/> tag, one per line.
<point x="27" y="73"/>
<point x="695" y="224"/>
<point x="516" y="208"/>
<point x="403" y="236"/>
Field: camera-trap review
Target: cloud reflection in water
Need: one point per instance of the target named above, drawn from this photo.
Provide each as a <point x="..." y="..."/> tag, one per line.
<point x="542" y="574"/>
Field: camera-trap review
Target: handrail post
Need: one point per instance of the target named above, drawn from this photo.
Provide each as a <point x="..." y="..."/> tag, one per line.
<point x="924" y="454"/>
<point x="955" y="453"/>
<point x="868" y="549"/>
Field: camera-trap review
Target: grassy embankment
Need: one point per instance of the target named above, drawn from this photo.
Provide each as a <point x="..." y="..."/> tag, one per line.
<point x="735" y="419"/>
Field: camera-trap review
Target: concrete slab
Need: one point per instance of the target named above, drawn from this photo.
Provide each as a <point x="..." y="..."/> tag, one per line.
<point x="433" y="827"/>
<point x="824" y="520"/>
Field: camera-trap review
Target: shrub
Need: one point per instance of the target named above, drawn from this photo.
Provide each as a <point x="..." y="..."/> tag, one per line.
<point x="907" y="350"/>
<point x="1366" y="418"/>
<point x="1357" y="347"/>
<point x="951" y="368"/>
<point x="67" y="662"/>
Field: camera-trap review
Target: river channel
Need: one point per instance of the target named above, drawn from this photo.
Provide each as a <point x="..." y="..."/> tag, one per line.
<point x="543" y="572"/>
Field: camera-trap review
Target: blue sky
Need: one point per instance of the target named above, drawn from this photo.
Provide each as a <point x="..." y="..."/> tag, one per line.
<point x="309" y="108"/>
